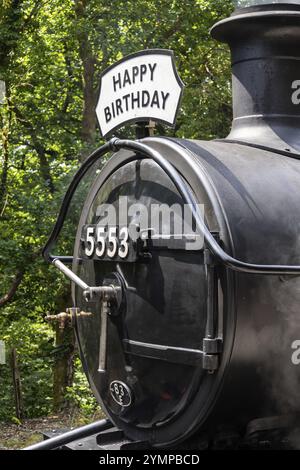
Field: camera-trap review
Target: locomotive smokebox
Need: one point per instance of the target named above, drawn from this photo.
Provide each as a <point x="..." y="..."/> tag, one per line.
<point x="182" y="342"/>
<point x="264" y="40"/>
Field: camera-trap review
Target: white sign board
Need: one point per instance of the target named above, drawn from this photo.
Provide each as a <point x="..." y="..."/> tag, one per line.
<point x="140" y="87"/>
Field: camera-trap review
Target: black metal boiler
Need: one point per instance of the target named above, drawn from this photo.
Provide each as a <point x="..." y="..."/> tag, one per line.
<point x="183" y="344"/>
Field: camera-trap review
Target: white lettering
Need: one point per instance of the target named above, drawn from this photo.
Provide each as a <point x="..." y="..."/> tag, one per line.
<point x="296" y="353"/>
<point x="296" y="94"/>
<point x="130" y="76"/>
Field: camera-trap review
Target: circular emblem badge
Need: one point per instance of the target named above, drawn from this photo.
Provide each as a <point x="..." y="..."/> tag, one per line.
<point x="121" y="393"/>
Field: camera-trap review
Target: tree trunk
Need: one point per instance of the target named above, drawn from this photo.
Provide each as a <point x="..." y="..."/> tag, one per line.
<point x="88" y="59"/>
<point x="17" y="385"/>
<point x="4" y="173"/>
<point x="63" y="370"/>
<point x="89" y="102"/>
<point x="5" y="116"/>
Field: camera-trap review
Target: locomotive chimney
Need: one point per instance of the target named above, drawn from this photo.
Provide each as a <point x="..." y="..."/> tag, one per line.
<point x="264" y="39"/>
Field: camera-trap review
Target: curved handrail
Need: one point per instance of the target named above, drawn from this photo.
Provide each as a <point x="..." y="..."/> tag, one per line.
<point x="211" y="243"/>
<point x="100" y="152"/>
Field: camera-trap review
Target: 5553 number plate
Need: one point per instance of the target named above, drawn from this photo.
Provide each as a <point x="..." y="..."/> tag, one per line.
<point x="110" y="243"/>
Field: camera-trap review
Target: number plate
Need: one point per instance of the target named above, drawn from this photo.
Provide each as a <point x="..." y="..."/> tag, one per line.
<point x="121" y="393"/>
<point x="108" y="243"/>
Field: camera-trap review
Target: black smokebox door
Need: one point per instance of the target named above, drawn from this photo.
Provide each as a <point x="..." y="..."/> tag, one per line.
<point x="153" y="349"/>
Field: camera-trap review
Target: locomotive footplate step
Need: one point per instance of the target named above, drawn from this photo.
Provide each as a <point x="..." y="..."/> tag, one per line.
<point x="111" y="439"/>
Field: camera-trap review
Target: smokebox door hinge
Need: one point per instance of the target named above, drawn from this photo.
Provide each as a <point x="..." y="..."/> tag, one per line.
<point x="212" y="348"/>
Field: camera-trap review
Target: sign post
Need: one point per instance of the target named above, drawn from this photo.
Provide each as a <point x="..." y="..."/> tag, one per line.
<point x="2" y="91"/>
<point x="140" y="88"/>
<point x="2" y="353"/>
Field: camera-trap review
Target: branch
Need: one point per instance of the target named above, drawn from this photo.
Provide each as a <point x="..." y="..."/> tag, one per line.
<point x="13" y="288"/>
<point x="34" y="12"/>
<point x="4" y="206"/>
<point x="8" y="297"/>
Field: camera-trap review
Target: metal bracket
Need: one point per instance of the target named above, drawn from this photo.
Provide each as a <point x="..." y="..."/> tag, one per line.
<point x="104" y="293"/>
<point x="212" y="347"/>
<point x="209" y="259"/>
<point x="210" y="362"/>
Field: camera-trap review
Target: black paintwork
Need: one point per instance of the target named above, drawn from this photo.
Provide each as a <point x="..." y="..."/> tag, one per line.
<point x="260" y="379"/>
<point x="264" y="43"/>
<point x="156" y="312"/>
<point x="251" y="199"/>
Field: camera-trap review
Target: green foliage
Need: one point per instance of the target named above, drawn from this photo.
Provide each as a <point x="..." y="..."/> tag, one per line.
<point x="79" y="395"/>
<point x="33" y="341"/>
<point x="51" y="56"/>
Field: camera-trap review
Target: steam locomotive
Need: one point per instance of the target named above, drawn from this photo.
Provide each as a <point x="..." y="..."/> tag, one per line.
<point x="199" y="347"/>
